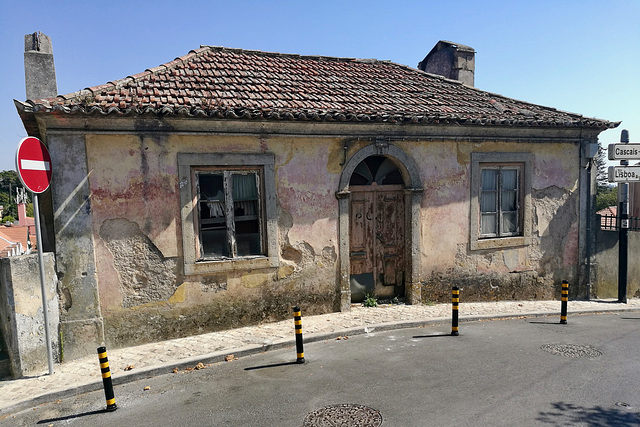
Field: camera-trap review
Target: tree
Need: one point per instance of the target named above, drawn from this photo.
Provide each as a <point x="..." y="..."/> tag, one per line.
<point x="605" y="197"/>
<point x="602" y="175"/>
<point x="9" y="182"/>
<point x="606" y="193"/>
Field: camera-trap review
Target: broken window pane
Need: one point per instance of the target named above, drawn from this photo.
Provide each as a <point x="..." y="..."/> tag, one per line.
<point x="230" y="217"/>
<point x="213" y="224"/>
<point x="246" y="214"/>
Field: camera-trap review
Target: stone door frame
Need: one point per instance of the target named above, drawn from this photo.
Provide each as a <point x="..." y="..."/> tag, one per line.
<point x="413" y="196"/>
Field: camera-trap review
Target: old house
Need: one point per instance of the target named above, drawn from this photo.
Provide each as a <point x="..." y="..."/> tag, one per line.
<point x="227" y="185"/>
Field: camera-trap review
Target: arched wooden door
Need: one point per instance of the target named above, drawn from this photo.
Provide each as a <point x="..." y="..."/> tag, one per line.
<point x="377" y="227"/>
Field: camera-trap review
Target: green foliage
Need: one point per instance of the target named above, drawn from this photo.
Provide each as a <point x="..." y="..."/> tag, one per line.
<point x="9" y="181"/>
<point x="605" y="197"/>
<point x="8" y="218"/>
<point x="370" y="301"/>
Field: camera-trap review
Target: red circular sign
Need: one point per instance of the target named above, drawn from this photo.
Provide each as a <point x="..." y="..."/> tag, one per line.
<point x="33" y="164"/>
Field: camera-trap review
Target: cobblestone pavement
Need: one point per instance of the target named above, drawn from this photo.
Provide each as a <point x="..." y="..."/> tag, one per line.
<point x="82" y="375"/>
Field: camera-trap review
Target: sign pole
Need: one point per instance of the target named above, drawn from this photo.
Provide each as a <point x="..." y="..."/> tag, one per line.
<point x="36" y="214"/>
<point x="623" y="236"/>
<point x="33" y="164"/>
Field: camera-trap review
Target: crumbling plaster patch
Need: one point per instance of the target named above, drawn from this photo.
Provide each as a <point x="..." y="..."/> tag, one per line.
<point x="145" y="274"/>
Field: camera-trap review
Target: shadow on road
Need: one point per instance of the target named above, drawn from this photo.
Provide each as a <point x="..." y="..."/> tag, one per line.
<point x="597" y="416"/>
<point x="71" y="417"/>
<point x="275" y="365"/>
<point x="432" y="336"/>
<point x="546" y="323"/>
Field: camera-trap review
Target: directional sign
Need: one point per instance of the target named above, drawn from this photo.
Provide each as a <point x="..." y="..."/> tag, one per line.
<point x="624" y="173"/>
<point x="33" y="164"/>
<point x="624" y="151"/>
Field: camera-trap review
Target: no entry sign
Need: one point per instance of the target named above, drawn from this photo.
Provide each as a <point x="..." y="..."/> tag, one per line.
<point x="33" y="164"/>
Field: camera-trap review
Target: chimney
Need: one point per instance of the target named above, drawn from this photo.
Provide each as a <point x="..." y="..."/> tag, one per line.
<point x="451" y="60"/>
<point x="39" y="71"/>
<point x="22" y="214"/>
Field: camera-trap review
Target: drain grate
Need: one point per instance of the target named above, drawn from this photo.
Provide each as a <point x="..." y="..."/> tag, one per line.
<point x="345" y="414"/>
<point x="572" y="350"/>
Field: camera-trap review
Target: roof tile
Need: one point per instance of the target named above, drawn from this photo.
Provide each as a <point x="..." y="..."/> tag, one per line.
<point x="277" y="86"/>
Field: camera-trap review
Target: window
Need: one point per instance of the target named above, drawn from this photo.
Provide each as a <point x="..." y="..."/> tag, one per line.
<point x="228" y="211"/>
<point x="500" y="200"/>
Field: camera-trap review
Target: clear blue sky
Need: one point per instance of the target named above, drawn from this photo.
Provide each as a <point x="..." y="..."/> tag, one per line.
<point x="581" y="56"/>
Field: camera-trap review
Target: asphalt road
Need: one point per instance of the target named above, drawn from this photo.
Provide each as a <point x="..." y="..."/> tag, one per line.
<point x="523" y="372"/>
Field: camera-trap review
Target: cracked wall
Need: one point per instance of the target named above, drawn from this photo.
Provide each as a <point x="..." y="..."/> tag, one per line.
<point x="530" y="271"/>
<point x="144" y="293"/>
<point x="145" y="274"/>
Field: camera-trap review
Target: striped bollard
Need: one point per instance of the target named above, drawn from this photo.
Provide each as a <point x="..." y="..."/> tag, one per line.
<point x="565" y="298"/>
<point x="297" y="318"/>
<point x="106" y="379"/>
<point x="455" y="299"/>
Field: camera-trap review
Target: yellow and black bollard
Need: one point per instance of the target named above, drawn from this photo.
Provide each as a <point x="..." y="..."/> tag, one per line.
<point x="297" y="318"/>
<point x="455" y="299"/>
<point x="106" y="379"/>
<point x="565" y="299"/>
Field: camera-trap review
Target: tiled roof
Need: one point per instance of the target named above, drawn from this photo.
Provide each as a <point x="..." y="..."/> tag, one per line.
<point x="240" y="84"/>
<point x="608" y="218"/>
<point x="11" y="236"/>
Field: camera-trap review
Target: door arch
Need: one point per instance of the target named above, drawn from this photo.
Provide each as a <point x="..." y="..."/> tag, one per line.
<point x="395" y="168"/>
<point x="376" y="230"/>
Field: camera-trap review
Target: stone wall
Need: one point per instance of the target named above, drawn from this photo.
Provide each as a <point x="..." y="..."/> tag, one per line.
<point x="605" y="283"/>
<point x="21" y="317"/>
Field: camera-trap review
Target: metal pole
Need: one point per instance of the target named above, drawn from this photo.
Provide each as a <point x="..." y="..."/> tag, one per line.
<point x="106" y="379"/>
<point x="455" y="300"/>
<point x="623" y="230"/>
<point x="297" y="318"/>
<point x="564" y="299"/>
<point x="36" y="214"/>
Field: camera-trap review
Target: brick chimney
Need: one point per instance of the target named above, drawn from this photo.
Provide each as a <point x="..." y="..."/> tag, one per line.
<point x="22" y="214"/>
<point x="39" y="70"/>
<point x="451" y="60"/>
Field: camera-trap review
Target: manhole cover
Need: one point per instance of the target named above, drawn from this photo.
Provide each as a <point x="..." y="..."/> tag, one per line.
<point x="572" y="350"/>
<point x="346" y="414"/>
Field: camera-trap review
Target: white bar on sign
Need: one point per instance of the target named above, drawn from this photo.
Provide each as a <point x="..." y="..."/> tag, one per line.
<point x="35" y="165"/>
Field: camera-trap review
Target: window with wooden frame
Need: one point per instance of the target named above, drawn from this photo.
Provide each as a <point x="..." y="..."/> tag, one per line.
<point x="500" y="192"/>
<point x="230" y="221"/>
<point x="500" y="200"/>
<point x="228" y="211"/>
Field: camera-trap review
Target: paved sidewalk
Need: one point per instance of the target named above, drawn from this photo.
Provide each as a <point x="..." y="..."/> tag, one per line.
<point x="82" y="375"/>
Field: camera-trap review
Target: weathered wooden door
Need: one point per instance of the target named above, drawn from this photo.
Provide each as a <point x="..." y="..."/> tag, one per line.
<point x="377" y="222"/>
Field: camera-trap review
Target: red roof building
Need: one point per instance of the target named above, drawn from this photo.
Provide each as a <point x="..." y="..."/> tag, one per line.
<point x="15" y="240"/>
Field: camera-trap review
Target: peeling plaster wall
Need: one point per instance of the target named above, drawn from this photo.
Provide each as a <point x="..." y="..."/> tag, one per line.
<point x="531" y="271"/>
<point x="136" y="232"/>
<point x="144" y="293"/>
